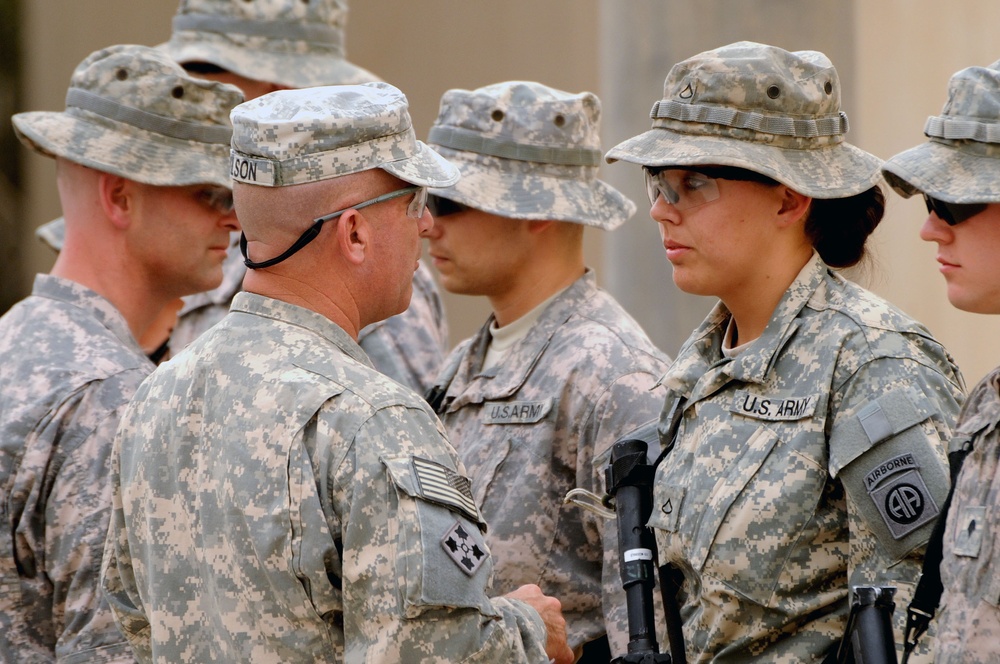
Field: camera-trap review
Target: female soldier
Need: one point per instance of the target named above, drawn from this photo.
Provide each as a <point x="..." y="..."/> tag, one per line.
<point x="958" y="173"/>
<point x="811" y="416"/>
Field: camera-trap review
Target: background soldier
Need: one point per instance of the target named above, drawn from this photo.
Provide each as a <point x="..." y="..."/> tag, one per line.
<point x="958" y="173"/>
<point x="294" y="504"/>
<point x="142" y="170"/>
<point x="535" y="400"/>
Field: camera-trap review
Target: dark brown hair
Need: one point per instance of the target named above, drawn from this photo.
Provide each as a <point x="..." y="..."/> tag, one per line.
<point x="839" y="227"/>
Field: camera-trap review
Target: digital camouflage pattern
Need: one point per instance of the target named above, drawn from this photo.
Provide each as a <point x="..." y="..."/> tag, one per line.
<point x="292" y="504"/>
<point x="408" y="347"/>
<point x="811" y="461"/>
<point x="70" y="366"/>
<point x="289" y="42"/>
<point x="133" y="112"/>
<point x="968" y="624"/>
<point x="761" y="108"/>
<point x="961" y="161"/>
<point x="295" y="136"/>
<point x="543" y="422"/>
<point x="528" y="151"/>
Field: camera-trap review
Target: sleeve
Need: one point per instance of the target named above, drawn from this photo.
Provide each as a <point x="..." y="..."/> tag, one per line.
<point x="888" y="443"/>
<point x="77" y="516"/>
<point x="628" y="403"/>
<point x="416" y="567"/>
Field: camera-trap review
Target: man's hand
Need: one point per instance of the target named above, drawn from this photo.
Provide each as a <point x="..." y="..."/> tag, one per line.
<point x="550" y="609"/>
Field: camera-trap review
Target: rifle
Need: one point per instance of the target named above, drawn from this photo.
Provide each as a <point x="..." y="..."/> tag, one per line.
<point x="868" y="635"/>
<point x="629" y="479"/>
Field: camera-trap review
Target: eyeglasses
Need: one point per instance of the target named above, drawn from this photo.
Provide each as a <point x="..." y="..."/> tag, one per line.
<point x="415" y="210"/>
<point x="686" y="188"/>
<point x="442" y="207"/>
<point x="219" y="199"/>
<point x="952" y="213"/>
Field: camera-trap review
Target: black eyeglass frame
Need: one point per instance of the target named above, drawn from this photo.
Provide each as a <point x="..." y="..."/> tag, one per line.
<point x="418" y="205"/>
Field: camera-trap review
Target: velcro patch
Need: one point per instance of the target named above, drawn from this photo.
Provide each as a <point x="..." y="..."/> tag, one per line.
<point x="969" y="530"/>
<point x="515" y="412"/>
<point x="773" y="408"/>
<point x="464" y="548"/>
<point x="442" y="485"/>
<point x="903" y="500"/>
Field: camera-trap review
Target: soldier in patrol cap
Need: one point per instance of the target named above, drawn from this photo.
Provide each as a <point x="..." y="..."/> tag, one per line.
<point x="811" y="417"/>
<point x="142" y="171"/>
<point x="267" y="45"/>
<point x="957" y="171"/>
<point x="534" y="400"/>
<point x="293" y="504"/>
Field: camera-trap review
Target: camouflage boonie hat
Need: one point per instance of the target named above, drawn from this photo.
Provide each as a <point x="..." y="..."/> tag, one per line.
<point x="294" y="43"/>
<point x="133" y="112"/>
<point x="295" y="136"/>
<point x="528" y="151"/>
<point x="761" y="108"/>
<point x="961" y="162"/>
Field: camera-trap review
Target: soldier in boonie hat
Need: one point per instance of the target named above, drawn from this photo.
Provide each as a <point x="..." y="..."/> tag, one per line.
<point x="555" y="347"/>
<point x="957" y="171"/>
<point x="141" y="155"/>
<point x="330" y="184"/>
<point x="758" y="197"/>
<point x="289" y="43"/>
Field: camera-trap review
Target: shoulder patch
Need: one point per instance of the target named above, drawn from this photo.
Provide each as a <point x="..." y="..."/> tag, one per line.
<point x="442" y="485"/>
<point x="464" y="548"/>
<point x="900" y="495"/>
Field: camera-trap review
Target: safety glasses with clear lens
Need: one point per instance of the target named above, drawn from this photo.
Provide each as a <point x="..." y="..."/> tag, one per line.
<point x="952" y="213"/>
<point x="684" y="189"/>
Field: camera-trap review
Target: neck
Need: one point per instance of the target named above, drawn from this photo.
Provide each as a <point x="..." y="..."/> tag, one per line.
<point x="753" y="305"/>
<point x="531" y="289"/>
<point x="331" y="303"/>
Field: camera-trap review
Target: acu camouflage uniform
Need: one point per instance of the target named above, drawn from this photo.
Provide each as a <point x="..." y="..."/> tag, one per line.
<point x="299" y="44"/>
<point x="311" y="516"/>
<point x="70" y="363"/>
<point x="810" y="462"/>
<point x="542" y="423"/>
<point x="812" y="459"/>
<point x="960" y="163"/>
<point x="70" y="367"/>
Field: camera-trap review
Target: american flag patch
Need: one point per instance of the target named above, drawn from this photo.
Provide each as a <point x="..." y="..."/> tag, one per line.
<point x="442" y="485"/>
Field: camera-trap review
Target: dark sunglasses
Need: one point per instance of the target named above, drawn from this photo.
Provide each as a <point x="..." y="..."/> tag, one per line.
<point x="952" y="213"/>
<point x="442" y="207"/>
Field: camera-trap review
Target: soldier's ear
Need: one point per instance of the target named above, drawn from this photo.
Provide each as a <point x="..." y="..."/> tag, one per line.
<point x="117" y="196"/>
<point x="353" y="236"/>
<point x="794" y="206"/>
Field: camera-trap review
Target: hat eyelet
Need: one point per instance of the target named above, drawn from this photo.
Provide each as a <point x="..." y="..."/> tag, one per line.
<point x="773" y="91"/>
<point x="497" y="115"/>
<point x="177" y="92"/>
<point x="121" y="74"/>
<point x="559" y="120"/>
<point x="828" y="88"/>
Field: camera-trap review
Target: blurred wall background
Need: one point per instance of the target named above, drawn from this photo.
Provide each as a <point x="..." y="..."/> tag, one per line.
<point x="894" y="58"/>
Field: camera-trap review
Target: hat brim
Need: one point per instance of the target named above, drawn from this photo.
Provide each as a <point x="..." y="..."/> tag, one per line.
<point x="53" y="234"/>
<point x="256" y="59"/>
<point x="426" y="168"/>
<point x="834" y="171"/>
<point x="125" y="150"/>
<point x="519" y="190"/>
<point x="945" y="172"/>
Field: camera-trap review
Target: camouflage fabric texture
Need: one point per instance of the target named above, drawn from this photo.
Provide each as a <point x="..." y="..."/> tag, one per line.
<point x="292" y="504"/>
<point x="70" y="367"/>
<point x="289" y="42"/>
<point x="408" y="347"/>
<point x="960" y="163"/>
<point x="290" y="137"/>
<point x="543" y="422"/>
<point x="528" y="151"/>
<point x="812" y="461"/>
<point x="761" y="108"/>
<point x="968" y="623"/>
<point x="133" y="112"/>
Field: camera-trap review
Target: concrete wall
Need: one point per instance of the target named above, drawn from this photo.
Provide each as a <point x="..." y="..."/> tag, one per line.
<point x="894" y="57"/>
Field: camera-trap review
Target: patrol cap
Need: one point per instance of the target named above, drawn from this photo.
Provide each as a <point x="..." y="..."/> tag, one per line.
<point x="133" y="112"/>
<point x="761" y="108"/>
<point x="291" y="137"/>
<point x="528" y="151"/>
<point x="294" y="43"/>
<point x="961" y="161"/>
